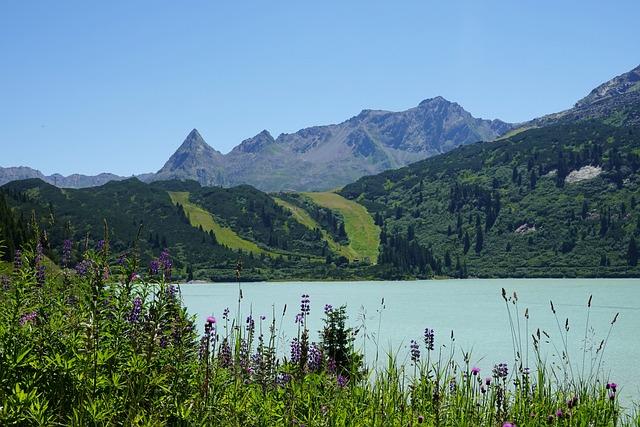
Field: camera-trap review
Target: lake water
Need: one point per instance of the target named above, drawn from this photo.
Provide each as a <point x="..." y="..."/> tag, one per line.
<point x="473" y="309"/>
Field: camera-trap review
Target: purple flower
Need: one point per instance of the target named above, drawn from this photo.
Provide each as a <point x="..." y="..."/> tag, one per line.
<point x="559" y="413"/>
<point x="508" y="424"/>
<point x="224" y="356"/>
<point x="211" y="320"/>
<point x="482" y="389"/>
<point x="487" y="381"/>
<point x="296" y="350"/>
<point x="452" y="386"/>
<point x="171" y="292"/>
<point x="67" y="245"/>
<point x="283" y="378"/>
<point x="17" y="260"/>
<point x="299" y="317"/>
<point x="134" y="315"/>
<point x="40" y="274"/>
<point x="572" y="402"/>
<point x="612" y="386"/>
<point x="342" y="381"/>
<point x="550" y="419"/>
<point x="305" y="305"/>
<point x="500" y="370"/>
<point x="100" y="245"/>
<point x="250" y="324"/>
<point x="415" y="351"/>
<point x="475" y="371"/>
<point x="6" y="282"/>
<point x="165" y="261"/>
<point x="314" y="362"/>
<point x="262" y="317"/>
<point x="154" y="267"/>
<point x="429" y="339"/>
<point x="121" y="259"/>
<point x="420" y="419"/>
<point x="225" y="314"/>
<point x="328" y="308"/>
<point x="28" y="318"/>
<point x="82" y="267"/>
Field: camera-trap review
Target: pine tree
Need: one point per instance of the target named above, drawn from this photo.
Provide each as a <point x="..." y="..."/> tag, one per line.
<point x="632" y="253"/>
<point x="466" y="242"/>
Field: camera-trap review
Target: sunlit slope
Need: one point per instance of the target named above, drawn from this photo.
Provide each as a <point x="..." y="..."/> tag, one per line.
<point x="303" y="217"/>
<point x="364" y="235"/>
<point x="224" y="235"/>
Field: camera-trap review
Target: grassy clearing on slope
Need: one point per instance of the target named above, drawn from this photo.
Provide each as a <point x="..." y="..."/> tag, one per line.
<point x="224" y="235"/>
<point x="303" y="217"/>
<point x="364" y="235"/>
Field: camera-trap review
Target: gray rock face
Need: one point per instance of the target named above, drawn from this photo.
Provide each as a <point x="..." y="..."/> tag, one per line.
<point x="326" y="157"/>
<point x="616" y="102"/>
<point x="72" y="181"/>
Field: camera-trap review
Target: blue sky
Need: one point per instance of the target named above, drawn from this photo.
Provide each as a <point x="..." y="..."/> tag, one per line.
<point x="115" y="86"/>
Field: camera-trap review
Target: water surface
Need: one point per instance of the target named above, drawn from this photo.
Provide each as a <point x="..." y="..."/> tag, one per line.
<point x="473" y="309"/>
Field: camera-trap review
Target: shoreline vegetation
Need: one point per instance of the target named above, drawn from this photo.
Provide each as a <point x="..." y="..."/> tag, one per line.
<point x="108" y="341"/>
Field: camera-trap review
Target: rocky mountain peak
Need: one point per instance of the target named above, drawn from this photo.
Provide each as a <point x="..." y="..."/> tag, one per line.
<point x="255" y="144"/>
<point x="619" y="85"/>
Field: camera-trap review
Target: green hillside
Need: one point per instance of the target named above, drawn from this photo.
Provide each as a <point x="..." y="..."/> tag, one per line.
<point x="198" y="217"/>
<point x="363" y="234"/>
<point x="554" y="201"/>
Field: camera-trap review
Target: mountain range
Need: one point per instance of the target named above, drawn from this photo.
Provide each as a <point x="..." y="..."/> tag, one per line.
<point x="331" y="156"/>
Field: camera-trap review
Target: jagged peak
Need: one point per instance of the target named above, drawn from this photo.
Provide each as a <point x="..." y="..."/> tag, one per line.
<point x="619" y="85"/>
<point x="255" y="143"/>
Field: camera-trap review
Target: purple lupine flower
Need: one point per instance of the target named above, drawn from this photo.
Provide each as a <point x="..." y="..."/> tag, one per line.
<point x="328" y="308"/>
<point x="295" y="350"/>
<point x="28" y="318"/>
<point x="475" y="371"/>
<point x="39" y="252"/>
<point x="100" y="245"/>
<point x="224" y="355"/>
<point x="314" y="362"/>
<point x="121" y="259"/>
<point x="67" y="245"/>
<point x="17" y="260"/>
<point x="6" y="282"/>
<point x="262" y="317"/>
<point x="165" y="261"/>
<point x="452" y="385"/>
<point x="225" y="314"/>
<point x="283" y="379"/>
<point x="331" y="366"/>
<point x="429" y="338"/>
<point x="342" y="381"/>
<point x="171" y="292"/>
<point x="299" y="318"/>
<point x="82" y="267"/>
<point x="305" y="306"/>
<point x="40" y="274"/>
<point x="154" y="266"/>
<point x="415" y="351"/>
<point x="134" y="315"/>
<point x="500" y="370"/>
<point x="251" y="324"/>
<point x="163" y="342"/>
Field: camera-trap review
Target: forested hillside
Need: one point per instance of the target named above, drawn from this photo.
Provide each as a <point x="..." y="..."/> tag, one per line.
<point x="556" y="201"/>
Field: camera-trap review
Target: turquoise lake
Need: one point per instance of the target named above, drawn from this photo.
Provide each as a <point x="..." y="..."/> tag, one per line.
<point x="473" y="309"/>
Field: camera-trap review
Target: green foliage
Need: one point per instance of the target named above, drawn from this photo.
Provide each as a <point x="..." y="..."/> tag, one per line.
<point x="508" y="208"/>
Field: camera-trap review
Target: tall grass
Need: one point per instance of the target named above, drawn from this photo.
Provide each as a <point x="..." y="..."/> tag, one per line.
<point x="109" y="342"/>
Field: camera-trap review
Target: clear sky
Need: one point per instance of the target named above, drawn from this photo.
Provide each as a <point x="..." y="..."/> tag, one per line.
<point x="115" y="86"/>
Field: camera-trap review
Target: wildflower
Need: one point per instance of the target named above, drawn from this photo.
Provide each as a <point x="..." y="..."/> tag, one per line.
<point x="154" y="267"/>
<point x="66" y="252"/>
<point x="420" y="419"/>
<point x="452" y="386"/>
<point x="28" y="318"/>
<point x="299" y="318"/>
<point x="500" y="370"/>
<point x="82" y="267"/>
<point x="225" y="314"/>
<point x="305" y="306"/>
<point x="283" y="378"/>
<point x="224" y="356"/>
<point x="342" y="380"/>
<point x="429" y="338"/>
<point x="171" y="292"/>
<point x="612" y="386"/>
<point x="251" y="324"/>
<point x="211" y="320"/>
<point x="328" y="308"/>
<point x="559" y="413"/>
<point x="121" y="259"/>
<point x="296" y="350"/>
<point x="134" y="316"/>
<point x="482" y="389"/>
<point x="263" y="317"/>
<point x="572" y="402"/>
<point x="550" y="419"/>
<point x="100" y="245"/>
<point x="17" y="260"/>
<point x="165" y="261"/>
<point x="6" y="282"/>
<point x="487" y="381"/>
<point x="475" y="371"/>
<point x="508" y="424"/>
<point x="40" y="274"/>
<point x="415" y="351"/>
<point x="314" y="362"/>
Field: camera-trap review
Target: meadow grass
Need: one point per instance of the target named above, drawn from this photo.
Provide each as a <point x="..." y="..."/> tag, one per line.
<point x="303" y="217"/>
<point x="364" y="235"/>
<point x="109" y="342"/>
<point x="198" y="217"/>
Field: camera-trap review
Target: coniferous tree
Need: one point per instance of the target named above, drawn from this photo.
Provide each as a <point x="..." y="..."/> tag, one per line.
<point x="466" y="242"/>
<point x="632" y="252"/>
